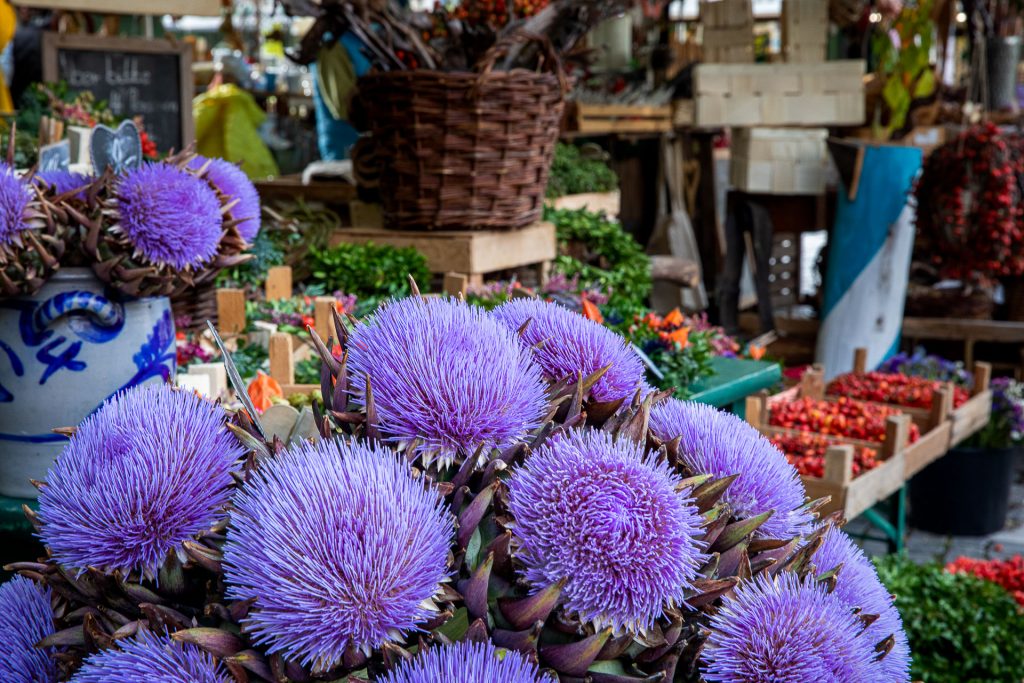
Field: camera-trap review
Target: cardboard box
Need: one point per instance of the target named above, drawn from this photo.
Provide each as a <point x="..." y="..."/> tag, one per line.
<point x="779" y="161"/>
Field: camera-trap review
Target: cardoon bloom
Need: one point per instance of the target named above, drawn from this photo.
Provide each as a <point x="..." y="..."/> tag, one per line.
<point x="169" y="215"/>
<point x="721" y="444"/>
<point x="859" y="588"/>
<point x="144" y="473"/>
<point x="605" y="516"/>
<point x="465" y="662"/>
<point x="232" y="182"/>
<point x="25" y="619"/>
<point x="151" y="657"/>
<point x="65" y="181"/>
<point x="567" y="345"/>
<point x="783" y="630"/>
<point x="447" y="373"/>
<point x="340" y="547"/>
<point x="14" y="198"/>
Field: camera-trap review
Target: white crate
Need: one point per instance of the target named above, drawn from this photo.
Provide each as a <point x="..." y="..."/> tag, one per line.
<point x="778" y="161"/>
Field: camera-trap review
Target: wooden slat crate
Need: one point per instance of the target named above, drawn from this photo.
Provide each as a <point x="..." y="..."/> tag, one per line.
<point x="611" y="119"/>
<point x="778" y="160"/>
<point x="804" y="30"/>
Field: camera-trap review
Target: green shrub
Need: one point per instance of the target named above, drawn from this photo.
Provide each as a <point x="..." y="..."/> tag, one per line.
<point x="961" y="629"/>
<point x="603" y="255"/>
<point x="367" y="270"/>
<point x="574" y="173"/>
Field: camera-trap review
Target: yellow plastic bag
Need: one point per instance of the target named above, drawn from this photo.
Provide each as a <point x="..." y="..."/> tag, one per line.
<point x="227" y="125"/>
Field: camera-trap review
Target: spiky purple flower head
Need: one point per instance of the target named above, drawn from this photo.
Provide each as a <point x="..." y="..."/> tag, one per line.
<point x="144" y="473"/>
<point x="466" y="662"/>
<point x="721" y="444"/>
<point x="15" y="195"/>
<point x="340" y="547"/>
<point x="65" y="181"/>
<point x="169" y="215"/>
<point x="149" y="657"/>
<point x="232" y="182"/>
<point x="859" y="588"/>
<point x="567" y="345"/>
<point x="25" y="618"/>
<point x="447" y="373"/>
<point x="781" y="629"/>
<point x="604" y="515"/>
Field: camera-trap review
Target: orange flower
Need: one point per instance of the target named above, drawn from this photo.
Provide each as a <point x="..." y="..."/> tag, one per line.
<point x="307" y="321"/>
<point x="680" y="336"/>
<point x="591" y="311"/>
<point x="262" y="390"/>
<point x="757" y="352"/>
<point x="675" y="318"/>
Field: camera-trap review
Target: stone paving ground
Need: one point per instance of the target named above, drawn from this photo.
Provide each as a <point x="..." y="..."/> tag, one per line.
<point x="922" y="546"/>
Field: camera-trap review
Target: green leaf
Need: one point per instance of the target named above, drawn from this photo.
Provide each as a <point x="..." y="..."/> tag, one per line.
<point x="455" y="627"/>
<point x="473" y="549"/>
<point x="925" y="84"/>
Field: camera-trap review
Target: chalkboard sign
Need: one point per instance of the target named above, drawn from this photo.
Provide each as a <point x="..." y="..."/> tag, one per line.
<point x="136" y="77"/>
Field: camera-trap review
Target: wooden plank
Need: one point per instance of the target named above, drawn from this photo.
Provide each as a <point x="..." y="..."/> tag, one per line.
<point x="962" y="328"/>
<point x="609" y="202"/>
<point x="970" y="418"/>
<point x="230" y="311"/>
<point x="930" y="447"/>
<point x="455" y="284"/>
<point x="860" y="361"/>
<point x="874" y="486"/>
<point x="202" y="8"/>
<point x="282" y="360"/>
<point x="279" y="283"/>
<point x="292" y="389"/>
<point x="492" y="250"/>
<point x="839" y="465"/>
<point x="323" y="316"/>
<point x="291" y="187"/>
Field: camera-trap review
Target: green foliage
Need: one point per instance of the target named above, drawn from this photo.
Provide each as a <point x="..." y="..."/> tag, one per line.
<point x="267" y="250"/>
<point x="572" y="172"/>
<point x="684" y="367"/>
<point x="907" y="70"/>
<point x="368" y="269"/>
<point x="962" y="629"/>
<point x="602" y="255"/>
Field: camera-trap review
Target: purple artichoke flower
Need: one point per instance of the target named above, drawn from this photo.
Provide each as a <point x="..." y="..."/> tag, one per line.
<point x="605" y="516"/>
<point x="448" y="374"/>
<point x="232" y="182"/>
<point x="859" y="588"/>
<point x="170" y="216"/>
<point x="465" y="662"/>
<point x="784" y="630"/>
<point x="340" y="547"/>
<point x="144" y="473"/>
<point x="14" y="198"/>
<point x="721" y="444"/>
<point x="567" y="345"/>
<point x="150" y="657"/>
<point x="65" y="181"/>
<point x="25" y="619"/>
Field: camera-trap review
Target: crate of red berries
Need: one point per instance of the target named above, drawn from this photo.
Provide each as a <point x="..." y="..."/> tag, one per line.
<point x="817" y="437"/>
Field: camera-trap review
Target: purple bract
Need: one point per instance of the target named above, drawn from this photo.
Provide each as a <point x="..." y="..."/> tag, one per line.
<point x="25" y="618"/>
<point x="567" y="345"/>
<point x="144" y="473"/>
<point x="65" y="181"/>
<point x="232" y="182"/>
<point x="340" y="547"/>
<point x="148" y="658"/>
<point x="720" y="444"/>
<point x="14" y="198"/>
<point x="859" y="588"/>
<point x="465" y="662"/>
<point x="169" y="215"/>
<point x="448" y="374"/>
<point x="606" y="516"/>
<point x="783" y="630"/>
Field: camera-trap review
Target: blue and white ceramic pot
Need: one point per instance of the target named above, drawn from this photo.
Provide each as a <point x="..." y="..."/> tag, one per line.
<point x="62" y="353"/>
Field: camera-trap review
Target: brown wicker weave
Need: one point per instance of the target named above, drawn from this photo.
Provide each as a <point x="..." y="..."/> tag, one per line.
<point x="462" y="151"/>
<point x="193" y="306"/>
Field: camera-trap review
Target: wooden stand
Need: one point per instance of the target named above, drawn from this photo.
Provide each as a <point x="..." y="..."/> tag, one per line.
<point x="611" y="119"/>
<point x="471" y="254"/>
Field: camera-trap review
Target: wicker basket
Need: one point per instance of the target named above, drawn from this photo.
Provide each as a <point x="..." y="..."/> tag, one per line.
<point x="193" y="306"/>
<point x="463" y="151"/>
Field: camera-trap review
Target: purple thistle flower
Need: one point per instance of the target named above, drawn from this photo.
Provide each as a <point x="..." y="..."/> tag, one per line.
<point x="465" y="662"/>
<point x="340" y="547"/>
<point x="606" y="516"/>
<point x="150" y="657"/>
<point x="25" y="619"/>
<point x="566" y="345"/>
<point x="144" y="473"/>
<point x="170" y="216"/>
<point x="721" y="444"/>
<point x="859" y="588"/>
<point x="784" y="630"/>
<point x="65" y="181"/>
<point x="14" y="198"/>
<point x="447" y="373"/>
<point x="231" y="181"/>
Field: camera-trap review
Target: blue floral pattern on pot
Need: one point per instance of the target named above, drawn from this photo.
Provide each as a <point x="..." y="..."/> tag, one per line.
<point x="62" y="353"/>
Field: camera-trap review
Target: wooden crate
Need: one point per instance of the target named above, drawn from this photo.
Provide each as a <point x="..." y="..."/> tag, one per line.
<point x="608" y="202"/>
<point x="778" y="160"/>
<point x="611" y="119"/>
<point x="824" y="94"/>
<point x="804" y="30"/>
<point x="470" y="253"/>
